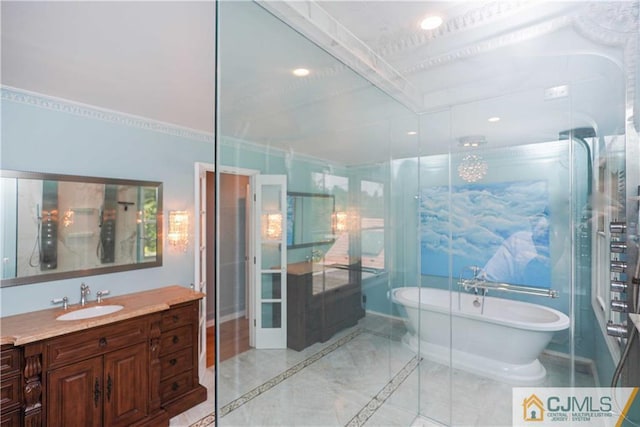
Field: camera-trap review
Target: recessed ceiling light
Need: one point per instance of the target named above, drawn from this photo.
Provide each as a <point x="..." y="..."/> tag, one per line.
<point x="493" y="119"/>
<point x="301" y="72"/>
<point x="412" y="132"/>
<point x="431" y="22"/>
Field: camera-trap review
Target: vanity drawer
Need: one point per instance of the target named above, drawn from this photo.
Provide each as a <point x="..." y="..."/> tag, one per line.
<point x="9" y="361"/>
<point x="176" y="386"/>
<point x="92" y="342"/>
<point x="10" y="419"/>
<point x="176" y="339"/>
<point x="10" y="393"/>
<point x="177" y="362"/>
<point x="179" y="316"/>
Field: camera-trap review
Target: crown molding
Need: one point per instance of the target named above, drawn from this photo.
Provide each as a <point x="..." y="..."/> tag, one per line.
<point x="476" y="17"/>
<point x="78" y="109"/>
<point x="509" y="39"/>
<point x="313" y="22"/>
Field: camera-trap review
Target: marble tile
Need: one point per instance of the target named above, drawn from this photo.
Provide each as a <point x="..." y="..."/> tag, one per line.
<point x="421" y="421"/>
<point x="200" y="411"/>
<point x="363" y="376"/>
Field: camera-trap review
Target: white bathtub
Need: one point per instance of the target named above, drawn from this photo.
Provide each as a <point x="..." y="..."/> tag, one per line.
<point x="503" y="341"/>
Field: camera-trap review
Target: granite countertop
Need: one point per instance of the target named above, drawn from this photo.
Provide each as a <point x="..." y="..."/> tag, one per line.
<point x="35" y="326"/>
<point x="635" y="318"/>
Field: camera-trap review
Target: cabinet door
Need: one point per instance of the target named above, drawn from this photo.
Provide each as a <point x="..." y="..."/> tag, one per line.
<point x="74" y="394"/>
<point x="126" y="386"/>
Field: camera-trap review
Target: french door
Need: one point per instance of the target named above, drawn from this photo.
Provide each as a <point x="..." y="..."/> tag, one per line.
<point x="270" y="262"/>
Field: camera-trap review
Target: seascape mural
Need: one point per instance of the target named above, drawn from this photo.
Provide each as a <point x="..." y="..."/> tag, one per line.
<point x="501" y="227"/>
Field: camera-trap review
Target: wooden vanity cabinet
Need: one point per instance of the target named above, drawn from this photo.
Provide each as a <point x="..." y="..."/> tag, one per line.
<point x="116" y="383"/>
<point x="10" y="386"/>
<point x="99" y="377"/>
<point x="179" y="384"/>
<point x="137" y="371"/>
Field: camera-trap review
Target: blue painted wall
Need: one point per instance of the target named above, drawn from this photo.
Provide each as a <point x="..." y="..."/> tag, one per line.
<point x="66" y="140"/>
<point x="56" y="136"/>
<point x="548" y="162"/>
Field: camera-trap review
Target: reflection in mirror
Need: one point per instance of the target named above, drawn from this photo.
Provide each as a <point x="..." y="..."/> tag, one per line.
<point x="309" y="219"/>
<point x="61" y="226"/>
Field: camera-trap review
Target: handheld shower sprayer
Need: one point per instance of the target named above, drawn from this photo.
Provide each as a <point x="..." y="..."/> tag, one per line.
<point x="36" y="251"/>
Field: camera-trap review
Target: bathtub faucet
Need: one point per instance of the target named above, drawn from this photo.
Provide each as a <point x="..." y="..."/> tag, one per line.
<point x="477" y="282"/>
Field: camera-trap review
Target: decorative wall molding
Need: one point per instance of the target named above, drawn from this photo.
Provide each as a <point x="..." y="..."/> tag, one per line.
<point x="605" y="23"/>
<point x="474" y="18"/>
<point x="495" y="43"/>
<point x="47" y="102"/>
<point x="316" y="24"/>
<point x="52" y="103"/>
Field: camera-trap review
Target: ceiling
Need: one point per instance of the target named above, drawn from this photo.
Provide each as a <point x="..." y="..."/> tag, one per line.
<point x="375" y="77"/>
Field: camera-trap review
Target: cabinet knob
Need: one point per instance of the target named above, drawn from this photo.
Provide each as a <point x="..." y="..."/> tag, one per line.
<point x="175" y="386"/>
<point x="173" y="362"/>
<point x="175" y="339"/>
<point x="175" y="318"/>
<point x="102" y="342"/>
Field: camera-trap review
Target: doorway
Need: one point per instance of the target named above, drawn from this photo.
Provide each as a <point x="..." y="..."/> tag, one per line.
<point x="233" y="263"/>
<point x="233" y="253"/>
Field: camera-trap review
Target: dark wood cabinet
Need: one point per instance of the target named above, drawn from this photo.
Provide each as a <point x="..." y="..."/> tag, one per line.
<point x="10" y="386"/>
<point x="99" y="377"/>
<point x="75" y="394"/>
<point x="320" y="303"/>
<point x="179" y="385"/>
<point x="126" y="386"/>
<point x="137" y="371"/>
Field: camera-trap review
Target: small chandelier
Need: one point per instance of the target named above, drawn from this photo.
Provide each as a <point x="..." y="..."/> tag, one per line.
<point x="472" y="168"/>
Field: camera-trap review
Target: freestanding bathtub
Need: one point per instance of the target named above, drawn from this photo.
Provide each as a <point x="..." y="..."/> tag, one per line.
<point x="501" y="340"/>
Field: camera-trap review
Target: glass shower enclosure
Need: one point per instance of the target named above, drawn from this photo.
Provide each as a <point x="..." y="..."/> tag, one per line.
<point x="459" y="248"/>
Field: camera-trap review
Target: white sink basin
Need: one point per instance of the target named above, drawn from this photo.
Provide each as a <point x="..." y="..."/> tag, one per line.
<point x="89" y="312"/>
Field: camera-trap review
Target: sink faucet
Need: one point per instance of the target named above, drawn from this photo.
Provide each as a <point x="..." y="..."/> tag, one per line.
<point x="84" y="291"/>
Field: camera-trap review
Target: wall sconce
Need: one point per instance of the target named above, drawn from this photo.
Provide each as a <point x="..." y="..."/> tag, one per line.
<point x="340" y="221"/>
<point x="178" y="235"/>
<point x="67" y="218"/>
<point x="272" y="226"/>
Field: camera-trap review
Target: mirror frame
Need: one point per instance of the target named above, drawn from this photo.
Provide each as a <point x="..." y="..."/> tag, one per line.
<point x="47" y="277"/>
<point x="319" y="195"/>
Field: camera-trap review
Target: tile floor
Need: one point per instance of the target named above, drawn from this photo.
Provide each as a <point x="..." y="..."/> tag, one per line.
<point x="363" y="376"/>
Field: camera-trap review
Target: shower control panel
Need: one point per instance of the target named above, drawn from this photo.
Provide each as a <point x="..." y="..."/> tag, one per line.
<point x="618" y="269"/>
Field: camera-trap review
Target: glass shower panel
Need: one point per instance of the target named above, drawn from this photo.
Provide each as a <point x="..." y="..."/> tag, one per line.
<point x="519" y="226"/>
<point x="334" y="135"/>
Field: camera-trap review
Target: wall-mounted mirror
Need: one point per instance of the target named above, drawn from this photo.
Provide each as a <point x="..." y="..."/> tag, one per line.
<point x="61" y="226"/>
<point x="309" y="219"/>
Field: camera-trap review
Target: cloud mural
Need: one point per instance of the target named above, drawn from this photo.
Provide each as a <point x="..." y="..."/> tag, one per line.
<point x="501" y="227"/>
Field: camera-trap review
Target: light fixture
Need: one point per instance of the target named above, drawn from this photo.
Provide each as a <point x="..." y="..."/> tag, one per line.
<point x="67" y="218"/>
<point x="301" y="72"/>
<point x="493" y="119"/>
<point x="272" y="226"/>
<point x="178" y="235"/>
<point x="431" y="22"/>
<point x="472" y="141"/>
<point x="472" y="168"/>
<point x="412" y="132"/>
<point x="340" y="221"/>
